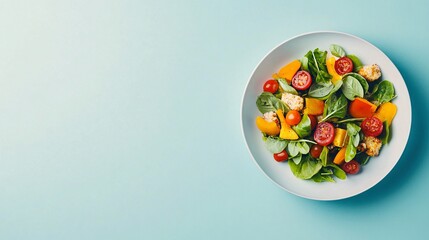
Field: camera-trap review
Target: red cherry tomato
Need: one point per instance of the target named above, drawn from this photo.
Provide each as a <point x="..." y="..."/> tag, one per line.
<point x="372" y="126"/>
<point x="324" y="133"/>
<point x="351" y="167"/>
<point x="293" y="117"/>
<point x="313" y="120"/>
<point x="343" y="65"/>
<point x="316" y="150"/>
<point x="271" y="86"/>
<point x="281" y="156"/>
<point x="302" y="80"/>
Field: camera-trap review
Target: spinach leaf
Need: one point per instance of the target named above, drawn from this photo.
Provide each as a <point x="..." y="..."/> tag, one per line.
<point x="275" y="145"/>
<point x="296" y="159"/>
<point x="384" y="92"/>
<point x="335" y="107"/>
<point x="303" y="128"/>
<point x="338" y="172"/>
<point x="350" y="120"/>
<point x="354" y="138"/>
<point x="307" y="167"/>
<point x="286" y="87"/>
<point x="324" y="92"/>
<point x="365" y="159"/>
<point x="350" y="150"/>
<point x="319" y="91"/>
<point x="267" y="102"/>
<point x="324" y="156"/>
<point x="351" y="88"/>
<point x="337" y="50"/>
<point x="385" y="135"/>
<point x="361" y="80"/>
<point x="352" y="129"/>
<point x="304" y="63"/>
<point x="294" y="148"/>
<point x="317" y="67"/>
<point x="319" y="177"/>
<point x="357" y="64"/>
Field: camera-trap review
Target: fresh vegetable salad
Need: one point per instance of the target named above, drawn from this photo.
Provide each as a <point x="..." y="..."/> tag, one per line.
<point x="326" y="114"/>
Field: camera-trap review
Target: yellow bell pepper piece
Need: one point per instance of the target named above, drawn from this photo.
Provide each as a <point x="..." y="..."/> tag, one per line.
<point x="341" y="156"/>
<point x="314" y="106"/>
<point x="340" y="137"/>
<point x="386" y="112"/>
<point x="330" y="64"/>
<point x="286" y="132"/>
<point x="270" y="128"/>
<point x="288" y="71"/>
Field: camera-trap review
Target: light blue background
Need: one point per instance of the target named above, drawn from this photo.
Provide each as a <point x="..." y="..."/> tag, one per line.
<point x="121" y="120"/>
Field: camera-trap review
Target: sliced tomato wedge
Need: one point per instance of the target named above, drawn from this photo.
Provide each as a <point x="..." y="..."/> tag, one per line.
<point x="302" y="80"/>
<point x="343" y="65"/>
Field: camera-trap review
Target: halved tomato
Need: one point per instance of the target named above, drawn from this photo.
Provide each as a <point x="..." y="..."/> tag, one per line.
<point x="324" y="133"/>
<point x="302" y="80"/>
<point x="343" y="65"/>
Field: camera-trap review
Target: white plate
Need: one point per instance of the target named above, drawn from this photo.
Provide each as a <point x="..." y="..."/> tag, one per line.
<point x="377" y="168"/>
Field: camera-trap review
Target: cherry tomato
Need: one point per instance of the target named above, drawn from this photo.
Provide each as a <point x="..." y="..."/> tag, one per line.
<point x="315" y="150"/>
<point x="281" y="156"/>
<point x="324" y="133"/>
<point x="343" y="65"/>
<point x="351" y="167"/>
<point x="293" y="117"/>
<point x="302" y="80"/>
<point x="313" y="120"/>
<point x="372" y="126"/>
<point x="271" y="86"/>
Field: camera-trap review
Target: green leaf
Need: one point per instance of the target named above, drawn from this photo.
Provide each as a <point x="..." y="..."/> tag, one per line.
<point x="285" y="87"/>
<point x="324" y="92"/>
<point x="350" y="120"/>
<point x="319" y="91"/>
<point x="297" y="159"/>
<point x="361" y="80"/>
<point x="304" y="63"/>
<point x="267" y="102"/>
<point x="294" y="148"/>
<point x="385" y="135"/>
<point x="352" y="129"/>
<point x="335" y="107"/>
<point x="384" y="92"/>
<point x="275" y="145"/>
<point x="338" y="172"/>
<point x="350" y="150"/>
<point x="306" y="169"/>
<point x="319" y="177"/>
<point x="356" y="140"/>
<point x="303" y="128"/>
<point x="317" y="67"/>
<point x="365" y="160"/>
<point x="337" y="51"/>
<point x="324" y="156"/>
<point x="352" y="88"/>
<point x="357" y="64"/>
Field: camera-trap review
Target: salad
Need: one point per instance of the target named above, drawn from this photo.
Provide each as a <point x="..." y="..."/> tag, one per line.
<point x="326" y="114"/>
